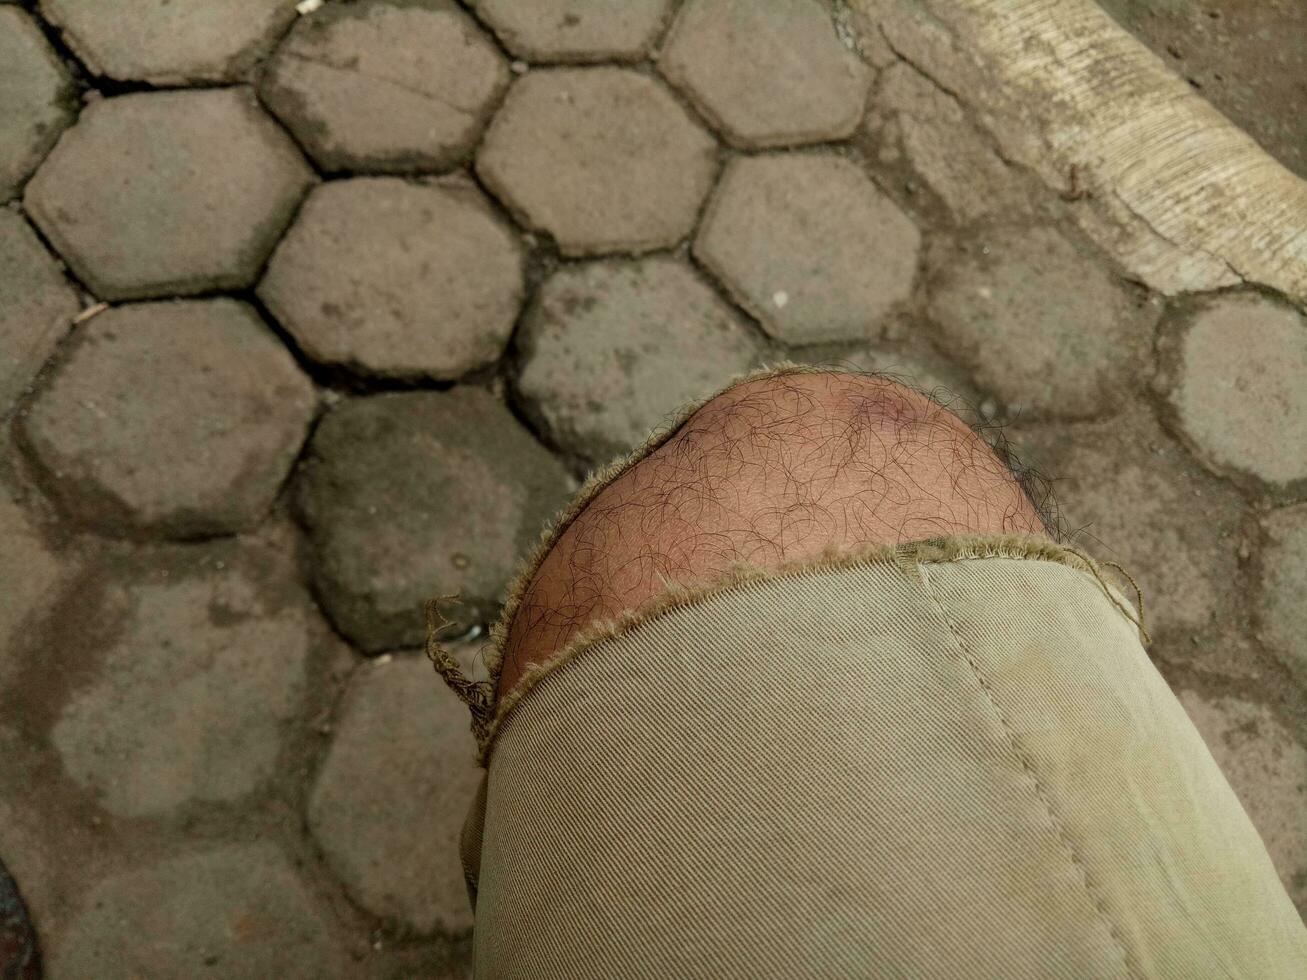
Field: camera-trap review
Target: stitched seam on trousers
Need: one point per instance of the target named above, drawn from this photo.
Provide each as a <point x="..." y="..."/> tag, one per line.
<point x="1028" y="763"/>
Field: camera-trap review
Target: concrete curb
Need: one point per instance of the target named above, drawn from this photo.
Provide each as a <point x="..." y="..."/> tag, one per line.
<point x="1183" y="199"/>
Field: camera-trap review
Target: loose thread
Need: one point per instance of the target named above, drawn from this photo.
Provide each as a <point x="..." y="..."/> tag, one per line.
<point x="1139" y="596"/>
<point x="479" y="696"/>
<point x="1138" y="621"/>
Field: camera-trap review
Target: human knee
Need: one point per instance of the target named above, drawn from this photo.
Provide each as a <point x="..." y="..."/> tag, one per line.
<point x="774" y="470"/>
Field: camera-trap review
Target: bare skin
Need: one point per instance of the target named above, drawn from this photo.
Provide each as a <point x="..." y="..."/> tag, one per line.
<point x="771" y="471"/>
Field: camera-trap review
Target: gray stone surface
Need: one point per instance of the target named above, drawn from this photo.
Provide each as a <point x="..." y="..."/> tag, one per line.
<point x="170" y="43"/>
<point x="809" y="246"/>
<point x="386" y="85"/>
<point x="182" y="418"/>
<point x="36" y="99"/>
<point x="397" y="279"/>
<point x="916" y="119"/>
<point x="1267" y="769"/>
<point x="912" y="364"/>
<point x="602" y="159"/>
<point x="1041" y="323"/>
<point x="390" y="799"/>
<point x="30" y="570"/>
<point x="1235" y="380"/>
<point x="162" y="193"/>
<point x="1281" y="606"/>
<point x="766" y="74"/>
<point x="229" y="911"/>
<point x="163" y="705"/>
<point x="610" y="349"/>
<point x="199" y="678"/>
<point x="406" y="496"/>
<point x="36" y="306"/>
<point x="576" y="30"/>
<point x="1129" y="494"/>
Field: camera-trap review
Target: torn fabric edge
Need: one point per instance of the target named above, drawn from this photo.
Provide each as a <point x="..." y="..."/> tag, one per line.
<point x="489" y="709"/>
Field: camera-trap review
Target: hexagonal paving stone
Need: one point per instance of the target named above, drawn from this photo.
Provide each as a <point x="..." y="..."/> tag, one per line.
<point x="766" y="74"/>
<point x="229" y="911"/>
<point x="1282" y="612"/>
<point x="1042" y="324"/>
<point x="168" y="43"/>
<point x="913" y="365"/>
<point x="1129" y="494"/>
<point x="576" y="30"/>
<point x="386" y="85"/>
<point x="182" y="418"/>
<point x="1267" y="769"/>
<point x="36" y="306"/>
<point x="397" y="279"/>
<point x="411" y="495"/>
<point x="610" y="349"/>
<point x="809" y="246"/>
<point x="29" y="569"/>
<point x="199" y="675"/>
<point x="603" y="159"/>
<point x="161" y="193"/>
<point x="390" y="800"/>
<point x="36" y="100"/>
<point x="953" y="157"/>
<point x="1235" y="380"/>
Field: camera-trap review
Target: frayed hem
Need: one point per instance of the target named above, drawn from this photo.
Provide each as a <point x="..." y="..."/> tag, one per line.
<point x="490" y="713"/>
<point x="483" y="699"/>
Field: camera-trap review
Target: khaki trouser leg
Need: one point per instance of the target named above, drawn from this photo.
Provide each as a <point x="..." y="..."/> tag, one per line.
<point x="952" y="759"/>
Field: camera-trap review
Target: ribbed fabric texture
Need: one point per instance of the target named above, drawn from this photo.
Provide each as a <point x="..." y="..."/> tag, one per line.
<point x="959" y="769"/>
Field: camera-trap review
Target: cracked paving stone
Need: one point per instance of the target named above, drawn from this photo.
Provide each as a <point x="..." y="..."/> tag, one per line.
<point x="166" y="193"/>
<point x="1041" y="324"/>
<point x="170" y="43"/>
<point x="1281" y="609"/>
<point x="1129" y="494"/>
<point x="411" y="495"/>
<point x="766" y="74"/>
<point x="610" y="349"/>
<point x="950" y="154"/>
<point x="398" y="279"/>
<point x="809" y="246"/>
<point x="388" y="806"/>
<point x="227" y="912"/>
<point x="199" y="673"/>
<point x="181" y="418"/>
<point x="1267" y="769"/>
<point x="1234" y="379"/>
<point x="576" y="30"/>
<point x="30" y="570"/>
<point x="36" y="306"/>
<point x="386" y="85"/>
<point x="602" y="159"/>
<point x="37" y="99"/>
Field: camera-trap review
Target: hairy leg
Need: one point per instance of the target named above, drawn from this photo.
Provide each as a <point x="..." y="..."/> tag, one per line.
<point x="775" y="470"/>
